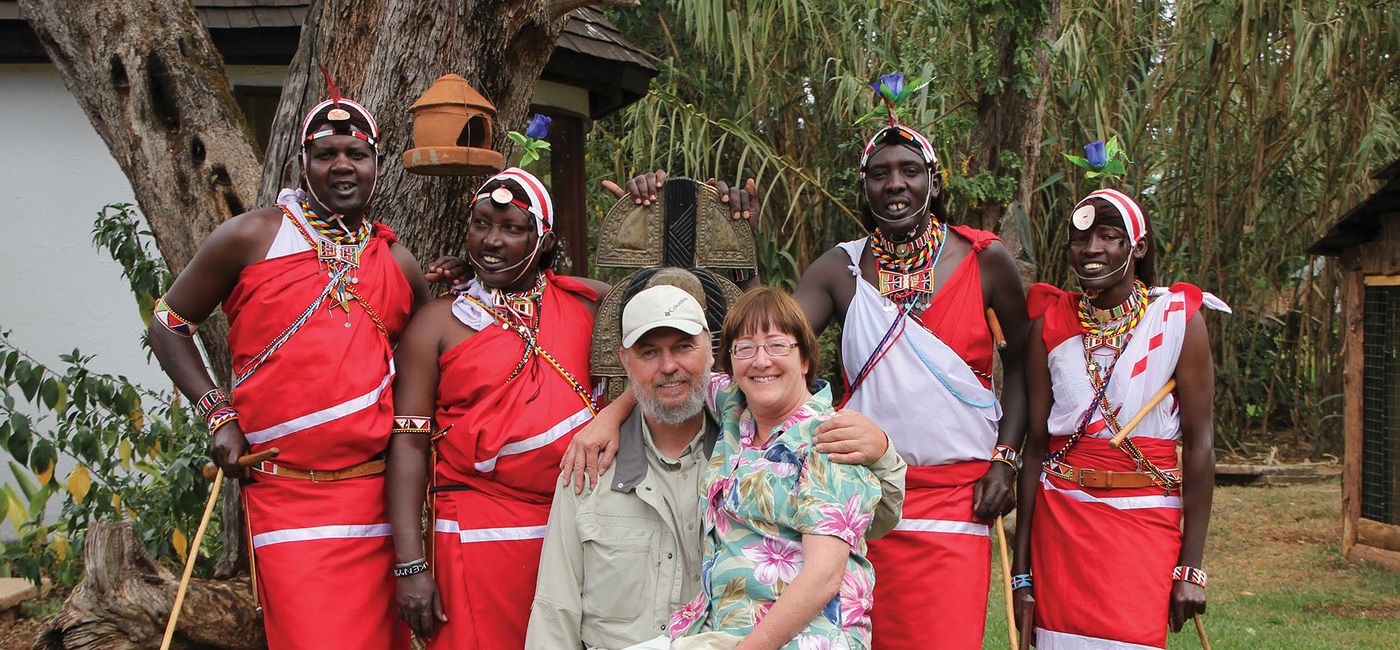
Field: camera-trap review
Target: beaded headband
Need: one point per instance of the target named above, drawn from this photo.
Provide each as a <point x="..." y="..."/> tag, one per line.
<point x="899" y="134"/>
<point x="538" y="204"/>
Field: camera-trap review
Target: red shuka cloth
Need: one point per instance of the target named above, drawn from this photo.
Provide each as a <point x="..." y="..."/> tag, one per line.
<point x="957" y="314"/>
<point x="931" y="587"/>
<point x="923" y="576"/>
<point x="324" y="557"/>
<point x="1102" y="558"/>
<point x="486" y="573"/>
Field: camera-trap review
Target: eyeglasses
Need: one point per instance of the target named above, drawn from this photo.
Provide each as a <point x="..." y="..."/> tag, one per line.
<point x="773" y="348"/>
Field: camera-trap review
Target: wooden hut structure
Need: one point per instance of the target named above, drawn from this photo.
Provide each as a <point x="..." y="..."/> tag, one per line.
<point x="1367" y="241"/>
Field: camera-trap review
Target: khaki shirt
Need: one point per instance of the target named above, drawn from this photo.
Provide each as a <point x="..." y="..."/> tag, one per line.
<point x="619" y="559"/>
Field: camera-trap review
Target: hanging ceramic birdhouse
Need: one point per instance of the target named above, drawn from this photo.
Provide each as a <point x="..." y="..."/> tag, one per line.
<point x="452" y="131"/>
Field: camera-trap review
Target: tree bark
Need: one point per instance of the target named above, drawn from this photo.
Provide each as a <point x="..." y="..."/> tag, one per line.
<point x="500" y="47"/>
<point x="1013" y="121"/>
<point x="125" y="598"/>
<point x="150" y="81"/>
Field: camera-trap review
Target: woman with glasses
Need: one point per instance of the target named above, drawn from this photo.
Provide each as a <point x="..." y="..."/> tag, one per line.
<point x="785" y="526"/>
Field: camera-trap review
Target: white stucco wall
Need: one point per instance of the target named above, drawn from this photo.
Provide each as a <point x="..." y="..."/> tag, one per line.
<point x="58" y="291"/>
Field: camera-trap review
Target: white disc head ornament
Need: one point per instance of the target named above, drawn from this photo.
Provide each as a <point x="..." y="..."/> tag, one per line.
<point x="1083" y="217"/>
<point x="338" y="115"/>
<point x="501" y="195"/>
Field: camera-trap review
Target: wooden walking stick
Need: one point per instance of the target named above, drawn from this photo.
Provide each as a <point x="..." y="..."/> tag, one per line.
<point x="1006" y="582"/>
<point x="218" y="477"/>
<point x="190" y="557"/>
<point x="1201" y="631"/>
<point x="1151" y="404"/>
<point x="999" y="340"/>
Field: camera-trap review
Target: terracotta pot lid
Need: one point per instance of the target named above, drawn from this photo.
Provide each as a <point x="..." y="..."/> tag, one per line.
<point x="453" y="89"/>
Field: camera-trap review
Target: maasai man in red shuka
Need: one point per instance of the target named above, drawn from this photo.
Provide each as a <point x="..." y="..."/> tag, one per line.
<point x="1114" y="537"/>
<point x="912" y="300"/>
<point x="497" y="374"/>
<point x="316" y="296"/>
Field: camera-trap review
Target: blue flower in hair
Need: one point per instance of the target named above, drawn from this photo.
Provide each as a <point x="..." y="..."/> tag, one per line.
<point x="1094" y="152"/>
<point x="1104" y="159"/>
<point x="890" y="85"/>
<point x="532" y="141"/>
<point x="539" y="127"/>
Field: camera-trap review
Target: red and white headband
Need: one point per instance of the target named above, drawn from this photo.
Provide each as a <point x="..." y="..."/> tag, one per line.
<point x="339" y="121"/>
<point x="538" y="206"/>
<point x="1134" y="220"/>
<point x="903" y="135"/>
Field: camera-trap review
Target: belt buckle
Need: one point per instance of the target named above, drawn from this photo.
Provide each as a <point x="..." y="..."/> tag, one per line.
<point x="311" y="474"/>
<point x="1098" y="478"/>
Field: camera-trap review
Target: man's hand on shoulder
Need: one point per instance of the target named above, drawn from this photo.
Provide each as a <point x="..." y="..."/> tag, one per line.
<point x="852" y="438"/>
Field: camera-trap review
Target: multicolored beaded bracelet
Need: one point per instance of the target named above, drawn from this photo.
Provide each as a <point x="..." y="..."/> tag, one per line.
<point x="1007" y="454"/>
<point x="1020" y="581"/>
<point x="412" y="424"/>
<point x="220" y="418"/>
<point x="1190" y="574"/>
<point x="173" y="321"/>
<point x="208" y="402"/>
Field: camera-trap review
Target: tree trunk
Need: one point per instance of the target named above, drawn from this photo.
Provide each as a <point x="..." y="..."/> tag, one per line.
<point x="148" y="77"/>
<point x="125" y="599"/>
<point x="1013" y="121"/>
<point x="500" y="47"/>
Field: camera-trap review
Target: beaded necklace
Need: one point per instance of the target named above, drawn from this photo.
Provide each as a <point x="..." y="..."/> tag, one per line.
<point x="338" y="233"/>
<point x="532" y="347"/>
<point x="338" y="248"/>
<point x="1111" y="328"/>
<point x="522" y="306"/>
<point x="905" y="271"/>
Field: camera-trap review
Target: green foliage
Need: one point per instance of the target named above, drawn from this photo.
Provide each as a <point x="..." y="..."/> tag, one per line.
<point x="137" y="454"/>
<point x="118" y="230"/>
<point x="1251" y="131"/>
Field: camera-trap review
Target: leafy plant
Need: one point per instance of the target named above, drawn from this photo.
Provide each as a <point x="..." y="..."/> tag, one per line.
<point x="136" y="453"/>
<point x="137" y="456"/>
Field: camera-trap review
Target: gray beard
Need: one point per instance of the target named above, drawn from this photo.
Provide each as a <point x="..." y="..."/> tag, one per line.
<point x="656" y="410"/>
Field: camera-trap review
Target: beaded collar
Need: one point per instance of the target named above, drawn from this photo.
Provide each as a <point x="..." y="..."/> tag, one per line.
<point x="1111" y="327"/>
<point x="337" y="233"/>
<point x="905" y="270"/>
<point x="522" y="306"/>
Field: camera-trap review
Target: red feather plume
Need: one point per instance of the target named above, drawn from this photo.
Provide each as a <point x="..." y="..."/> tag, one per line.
<point x="330" y="84"/>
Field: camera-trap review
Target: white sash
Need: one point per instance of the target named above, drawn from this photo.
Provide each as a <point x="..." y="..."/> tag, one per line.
<point x="1144" y="366"/>
<point x="934" y="408"/>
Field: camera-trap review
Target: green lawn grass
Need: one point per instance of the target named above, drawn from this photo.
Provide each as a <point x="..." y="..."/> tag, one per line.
<point x="1277" y="578"/>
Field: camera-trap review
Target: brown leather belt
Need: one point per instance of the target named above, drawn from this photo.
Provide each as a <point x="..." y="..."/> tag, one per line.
<point x="1095" y="478"/>
<point x="367" y="468"/>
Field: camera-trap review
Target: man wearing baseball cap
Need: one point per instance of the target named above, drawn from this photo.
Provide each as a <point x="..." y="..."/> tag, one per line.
<point x="619" y="559"/>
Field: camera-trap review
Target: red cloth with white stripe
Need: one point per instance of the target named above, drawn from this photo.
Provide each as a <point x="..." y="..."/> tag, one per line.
<point x="504" y="447"/>
<point x="1102" y="558"/>
<point x="932" y="572"/>
<point x="324" y="555"/>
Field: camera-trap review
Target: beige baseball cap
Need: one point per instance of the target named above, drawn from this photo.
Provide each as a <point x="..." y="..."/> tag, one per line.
<point x="663" y="305"/>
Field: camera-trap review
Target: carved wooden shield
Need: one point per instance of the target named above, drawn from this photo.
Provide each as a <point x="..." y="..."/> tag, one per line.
<point x="675" y="240"/>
